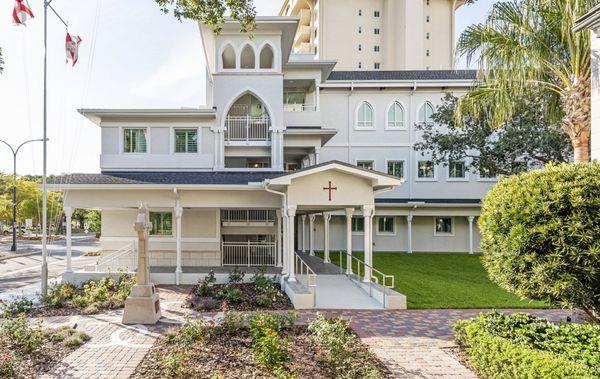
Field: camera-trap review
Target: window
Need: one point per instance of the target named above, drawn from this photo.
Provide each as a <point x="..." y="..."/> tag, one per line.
<point x="426" y="169"/>
<point x="426" y="113"/>
<point x="457" y="170"/>
<point x="376" y="48"/>
<point x="360" y="12"/>
<point x="365" y="164"/>
<point x="396" y="168"/>
<point x="247" y="60"/>
<point x="395" y="116"/>
<point x="385" y="225"/>
<point x="266" y="57"/>
<point x="228" y="58"/>
<point x="358" y="224"/>
<point x="186" y="140"/>
<point x="486" y="173"/>
<point x="134" y="141"/>
<point x="443" y="226"/>
<point x="365" y="116"/>
<point x="359" y="47"/>
<point x="376" y="65"/>
<point x="376" y="31"/>
<point x="360" y="30"/>
<point x="162" y="223"/>
<point x="376" y="14"/>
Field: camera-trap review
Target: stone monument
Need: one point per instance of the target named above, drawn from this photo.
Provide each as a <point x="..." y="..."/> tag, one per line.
<point x="142" y="306"/>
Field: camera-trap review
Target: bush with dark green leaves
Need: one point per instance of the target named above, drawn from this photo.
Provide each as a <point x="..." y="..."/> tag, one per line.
<point x="524" y="346"/>
<point x="541" y="235"/>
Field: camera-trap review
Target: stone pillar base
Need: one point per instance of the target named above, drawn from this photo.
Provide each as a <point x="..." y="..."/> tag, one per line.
<point x="142" y="306"/>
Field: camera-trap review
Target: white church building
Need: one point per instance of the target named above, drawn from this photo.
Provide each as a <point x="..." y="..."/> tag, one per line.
<point x="296" y="149"/>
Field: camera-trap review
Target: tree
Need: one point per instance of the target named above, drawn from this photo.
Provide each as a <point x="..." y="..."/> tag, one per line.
<point x="212" y="12"/>
<point x="527" y="46"/>
<point x="541" y="235"/>
<point x="525" y="141"/>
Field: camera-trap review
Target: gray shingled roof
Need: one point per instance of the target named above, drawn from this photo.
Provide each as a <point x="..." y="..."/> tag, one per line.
<point x="404" y="75"/>
<point x="208" y="177"/>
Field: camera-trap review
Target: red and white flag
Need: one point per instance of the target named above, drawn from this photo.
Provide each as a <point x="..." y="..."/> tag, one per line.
<point x="72" y="47"/>
<point x="21" y="13"/>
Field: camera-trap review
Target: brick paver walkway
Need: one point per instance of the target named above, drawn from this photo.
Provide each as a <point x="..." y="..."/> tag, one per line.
<point x="413" y="343"/>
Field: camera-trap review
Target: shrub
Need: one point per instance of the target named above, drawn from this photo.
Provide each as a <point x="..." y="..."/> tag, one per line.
<point x="271" y="350"/>
<point x="236" y="276"/>
<point x="174" y="362"/>
<point x="19" y="334"/>
<point x="16" y="306"/>
<point x="191" y="331"/>
<point x="541" y="235"/>
<point x="67" y="335"/>
<point x="231" y="294"/>
<point x="7" y="365"/>
<point x="204" y="289"/>
<point x="524" y="346"/>
<point x="59" y="295"/>
<point x="342" y="349"/>
<point x="258" y="322"/>
<point x="233" y="321"/>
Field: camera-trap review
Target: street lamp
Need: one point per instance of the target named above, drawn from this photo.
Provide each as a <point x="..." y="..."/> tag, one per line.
<point x="14" y="220"/>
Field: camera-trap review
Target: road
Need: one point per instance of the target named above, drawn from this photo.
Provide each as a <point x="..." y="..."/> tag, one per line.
<point x="22" y="275"/>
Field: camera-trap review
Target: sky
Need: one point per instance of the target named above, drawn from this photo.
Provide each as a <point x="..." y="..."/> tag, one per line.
<point x="131" y="56"/>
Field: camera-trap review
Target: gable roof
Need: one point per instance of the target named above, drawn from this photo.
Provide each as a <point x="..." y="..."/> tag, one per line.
<point x="379" y="179"/>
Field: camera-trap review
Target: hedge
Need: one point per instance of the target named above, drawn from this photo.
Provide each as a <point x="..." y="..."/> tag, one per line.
<point x="505" y="347"/>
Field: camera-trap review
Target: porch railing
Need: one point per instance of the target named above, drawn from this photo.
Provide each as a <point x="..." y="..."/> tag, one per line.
<point x="247" y="128"/>
<point x="124" y="258"/>
<point x="247" y="215"/>
<point x="376" y="277"/>
<point x="249" y="253"/>
<point x="299" y="107"/>
<point x="306" y="275"/>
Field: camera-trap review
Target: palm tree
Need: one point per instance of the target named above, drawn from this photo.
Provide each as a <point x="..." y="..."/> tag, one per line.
<point x="528" y="46"/>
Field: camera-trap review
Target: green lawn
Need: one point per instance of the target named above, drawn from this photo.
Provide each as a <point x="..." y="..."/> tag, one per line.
<point x="443" y="281"/>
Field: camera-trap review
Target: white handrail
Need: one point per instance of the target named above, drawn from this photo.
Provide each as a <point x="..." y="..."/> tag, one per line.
<point x="248" y="253"/>
<point x="303" y="269"/>
<point x="248" y="128"/>
<point x="372" y="269"/>
<point x="125" y="250"/>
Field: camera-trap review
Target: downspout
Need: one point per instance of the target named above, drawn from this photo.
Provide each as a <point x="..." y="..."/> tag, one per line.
<point x="284" y="205"/>
<point x="349" y="118"/>
<point x="178" y="211"/>
<point x="410" y="141"/>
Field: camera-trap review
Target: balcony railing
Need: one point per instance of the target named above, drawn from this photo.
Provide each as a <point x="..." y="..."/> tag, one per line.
<point x="299" y="108"/>
<point x="247" y="215"/>
<point x="247" y="128"/>
<point x="249" y="253"/>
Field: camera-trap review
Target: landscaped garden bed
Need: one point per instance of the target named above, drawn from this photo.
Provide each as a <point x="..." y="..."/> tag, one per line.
<point x="28" y="351"/>
<point x="261" y="345"/>
<point x="524" y="346"/>
<point x="66" y="299"/>
<point x="262" y="293"/>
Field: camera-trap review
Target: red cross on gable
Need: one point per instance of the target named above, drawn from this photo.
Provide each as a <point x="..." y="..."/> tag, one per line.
<point x="330" y="188"/>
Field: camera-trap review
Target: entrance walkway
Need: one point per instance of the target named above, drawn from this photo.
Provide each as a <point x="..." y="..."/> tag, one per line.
<point x="335" y="290"/>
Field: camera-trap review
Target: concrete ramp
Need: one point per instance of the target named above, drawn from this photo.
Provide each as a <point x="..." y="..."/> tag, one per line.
<point x="339" y="292"/>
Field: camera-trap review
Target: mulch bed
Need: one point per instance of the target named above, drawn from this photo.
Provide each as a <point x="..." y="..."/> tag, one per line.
<point x="69" y="311"/>
<point x="232" y="357"/>
<point x="248" y="303"/>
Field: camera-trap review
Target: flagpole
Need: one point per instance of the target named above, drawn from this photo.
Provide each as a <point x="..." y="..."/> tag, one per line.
<point x="44" y="191"/>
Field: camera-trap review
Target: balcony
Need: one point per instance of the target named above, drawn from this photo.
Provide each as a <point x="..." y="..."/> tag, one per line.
<point x="248" y="129"/>
<point x="247" y="217"/>
<point x="299" y="108"/>
<point x="302" y="35"/>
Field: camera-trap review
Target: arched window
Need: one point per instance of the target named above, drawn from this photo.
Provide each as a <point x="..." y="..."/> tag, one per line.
<point x="247" y="59"/>
<point x="365" y="116"/>
<point x="267" y="57"/>
<point x="425" y="113"/>
<point x="228" y="58"/>
<point x="395" y="117"/>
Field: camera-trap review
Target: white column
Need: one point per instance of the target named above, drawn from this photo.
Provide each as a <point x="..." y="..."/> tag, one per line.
<point x="68" y="213"/>
<point x="318" y="96"/>
<point x="349" y="214"/>
<point x="471" y="219"/>
<point x="326" y="219"/>
<point x="409" y="220"/>
<point x="317" y="155"/>
<point x="285" y="243"/>
<point x="291" y="210"/>
<point x="303" y="220"/>
<point x="278" y="241"/>
<point x="178" y="214"/>
<point x="368" y="211"/>
<point x="311" y="234"/>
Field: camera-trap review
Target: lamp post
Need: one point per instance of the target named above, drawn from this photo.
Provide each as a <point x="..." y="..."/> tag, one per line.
<point x="14" y="220"/>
